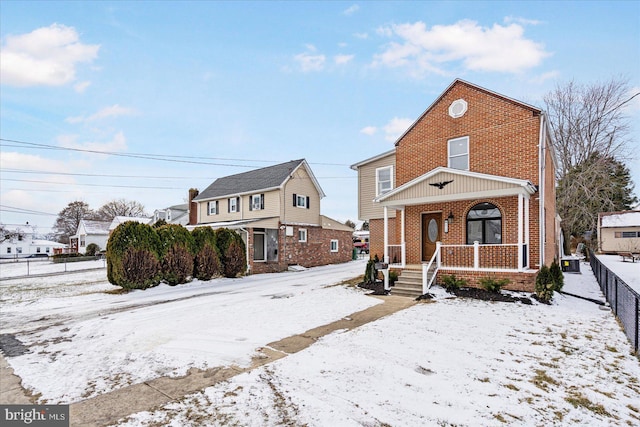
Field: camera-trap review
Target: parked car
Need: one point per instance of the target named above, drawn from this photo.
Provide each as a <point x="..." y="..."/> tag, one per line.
<point x="362" y="245"/>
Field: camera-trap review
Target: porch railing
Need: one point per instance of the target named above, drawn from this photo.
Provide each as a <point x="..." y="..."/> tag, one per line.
<point x="483" y="257"/>
<point x="397" y="255"/>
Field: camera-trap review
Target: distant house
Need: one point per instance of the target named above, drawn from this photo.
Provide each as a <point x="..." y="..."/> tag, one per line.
<point x="177" y="214"/>
<point x="276" y="210"/>
<point x="19" y="241"/>
<point x="122" y="219"/>
<point x="88" y="232"/>
<point x="619" y="232"/>
<point x="468" y="190"/>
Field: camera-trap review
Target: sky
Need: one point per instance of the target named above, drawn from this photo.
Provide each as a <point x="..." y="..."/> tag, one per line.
<point x="143" y="100"/>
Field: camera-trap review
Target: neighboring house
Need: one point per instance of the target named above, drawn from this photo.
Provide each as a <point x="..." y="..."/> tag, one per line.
<point x="122" y="219"/>
<point x="469" y="189"/>
<point x="18" y="241"/>
<point x="276" y="210"/>
<point x="619" y="232"/>
<point x="89" y="231"/>
<point x="177" y="214"/>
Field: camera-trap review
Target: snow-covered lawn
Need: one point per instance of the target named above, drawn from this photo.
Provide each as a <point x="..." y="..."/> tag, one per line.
<point x="83" y="341"/>
<point x="449" y="362"/>
<point x="31" y="266"/>
<point x="626" y="270"/>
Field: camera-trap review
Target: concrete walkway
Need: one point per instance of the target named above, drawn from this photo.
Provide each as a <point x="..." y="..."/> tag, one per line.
<point x="108" y="408"/>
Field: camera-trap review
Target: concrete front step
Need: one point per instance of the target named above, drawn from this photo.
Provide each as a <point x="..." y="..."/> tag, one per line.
<point x="408" y="284"/>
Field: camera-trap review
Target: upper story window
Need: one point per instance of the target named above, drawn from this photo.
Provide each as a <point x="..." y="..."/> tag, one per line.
<point x="233" y="204"/>
<point x="212" y="207"/>
<point x="256" y="202"/>
<point x="384" y="180"/>
<point x="484" y="224"/>
<point x="459" y="153"/>
<point x="301" y="201"/>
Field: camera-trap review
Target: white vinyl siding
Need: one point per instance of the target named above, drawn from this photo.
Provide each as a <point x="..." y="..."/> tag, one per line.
<point x="213" y="207"/>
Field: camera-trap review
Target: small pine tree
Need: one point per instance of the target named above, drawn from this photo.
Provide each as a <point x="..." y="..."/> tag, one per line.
<point x="133" y="260"/>
<point x="206" y="264"/>
<point x="176" y="256"/>
<point x="544" y="284"/>
<point x="370" y="272"/>
<point x="556" y="276"/>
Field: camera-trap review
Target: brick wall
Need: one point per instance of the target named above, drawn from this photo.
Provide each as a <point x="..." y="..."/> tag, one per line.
<point x="314" y="252"/>
<point x="524" y="282"/>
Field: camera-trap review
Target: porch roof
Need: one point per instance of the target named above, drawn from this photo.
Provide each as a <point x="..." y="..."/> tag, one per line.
<point x="445" y="184"/>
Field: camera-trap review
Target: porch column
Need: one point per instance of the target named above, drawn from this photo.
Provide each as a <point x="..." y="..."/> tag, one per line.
<point x="526" y="231"/>
<point x="520" y="231"/>
<point x="386" y="235"/>
<point x="402" y="239"/>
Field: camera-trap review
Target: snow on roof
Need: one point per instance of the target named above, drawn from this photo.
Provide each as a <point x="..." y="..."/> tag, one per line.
<point x="122" y="219"/>
<point x="96" y="227"/>
<point x="48" y="243"/>
<point x="620" y="219"/>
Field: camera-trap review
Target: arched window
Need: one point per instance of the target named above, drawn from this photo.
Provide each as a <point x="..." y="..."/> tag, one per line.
<point x="484" y="224"/>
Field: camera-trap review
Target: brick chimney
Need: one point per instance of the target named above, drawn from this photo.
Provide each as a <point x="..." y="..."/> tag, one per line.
<point x="193" y="206"/>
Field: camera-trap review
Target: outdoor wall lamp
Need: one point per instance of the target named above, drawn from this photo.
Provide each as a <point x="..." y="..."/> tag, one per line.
<point x="450" y="217"/>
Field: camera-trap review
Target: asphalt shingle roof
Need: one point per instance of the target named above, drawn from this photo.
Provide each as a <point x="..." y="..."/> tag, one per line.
<point x="245" y="182"/>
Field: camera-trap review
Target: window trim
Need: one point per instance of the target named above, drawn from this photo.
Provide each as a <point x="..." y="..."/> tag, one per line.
<point x="483" y="221"/>
<point x="391" y="183"/>
<point x="212" y="207"/>
<point x="300" y="231"/>
<point x="332" y="245"/>
<point x="233" y="205"/>
<point x="264" y="246"/>
<point x="256" y="202"/>
<point x="449" y="156"/>
<point x="306" y="201"/>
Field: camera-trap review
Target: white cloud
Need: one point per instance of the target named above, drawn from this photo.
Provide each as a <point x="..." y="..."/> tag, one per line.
<point x="361" y="36"/>
<point x="519" y="20"/>
<point x="309" y="62"/>
<point x="81" y="87"/>
<point x="396" y="127"/>
<point x="342" y="59"/>
<point x="540" y="79"/>
<point x="498" y="48"/>
<point x="117" y="143"/>
<point x="351" y="10"/>
<point x="369" y="130"/>
<point x="47" y="56"/>
<point x="113" y="111"/>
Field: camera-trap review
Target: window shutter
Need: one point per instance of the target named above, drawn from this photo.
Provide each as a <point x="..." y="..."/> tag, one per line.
<point x="237" y="204"/>
<point x="262" y="201"/>
<point x="228" y="205"/>
<point x="307" y="202"/>
<point x="208" y="208"/>
<point x="250" y="203"/>
<point x="295" y="199"/>
<point x="217" y="211"/>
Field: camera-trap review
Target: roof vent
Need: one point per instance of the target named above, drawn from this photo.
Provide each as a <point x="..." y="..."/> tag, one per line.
<point x="458" y="108"/>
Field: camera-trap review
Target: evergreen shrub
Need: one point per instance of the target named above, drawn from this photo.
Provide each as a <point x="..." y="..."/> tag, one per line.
<point x="556" y="276"/>
<point x="176" y="253"/>
<point x="133" y="260"/>
<point x="491" y="284"/>
<point x="92" y="248"/>
<point x="451" y="283"/>
<point x="232" y="252"/>
<point x="206" y="264"/>
<point x="544" y="284"/>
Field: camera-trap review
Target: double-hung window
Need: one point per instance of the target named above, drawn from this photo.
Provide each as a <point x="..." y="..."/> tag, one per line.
<point x="233" y="205"/>
<point x="213" y="207"/>
<point x="384" y="180"/>
<point x="301" y="201"/>
<point x="334" y="246"/>
<point x="256" y="202"/>
<point x="459" y="153"/>
<point x="302" y="235"/>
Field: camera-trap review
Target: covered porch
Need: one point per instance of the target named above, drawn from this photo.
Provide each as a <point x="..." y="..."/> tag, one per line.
<point x="459" y="221"/>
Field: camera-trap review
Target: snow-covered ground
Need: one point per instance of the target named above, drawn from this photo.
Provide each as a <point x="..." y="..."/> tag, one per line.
<point x="84" y="341"/>
<point x="33" y="266"/>
<point x="449" y="362"/>
<point x="453" y="362"/>
<point x="626" y="270"/>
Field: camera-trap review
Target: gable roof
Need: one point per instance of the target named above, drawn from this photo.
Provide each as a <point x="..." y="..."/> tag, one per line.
<point x="96" y="227"/>
<point x="480" y="88"/>
<point x="355" y="166"/>
<point x="477" y="185"/>
<point x="269" y="178"/>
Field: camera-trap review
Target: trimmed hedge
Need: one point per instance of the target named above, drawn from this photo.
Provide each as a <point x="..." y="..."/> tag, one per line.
<point x="176" y="253"/>
<point x="232" y="252"/>
<point x="206" y="264"/>
<point x="133" y="259"/>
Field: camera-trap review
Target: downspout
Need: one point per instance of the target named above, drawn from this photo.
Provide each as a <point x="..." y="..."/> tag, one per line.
<point x="541" y="190"/>
<point x="246" y="249"/>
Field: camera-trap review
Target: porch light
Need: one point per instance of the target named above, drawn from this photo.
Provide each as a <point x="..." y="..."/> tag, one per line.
<point x="450" y="217"/>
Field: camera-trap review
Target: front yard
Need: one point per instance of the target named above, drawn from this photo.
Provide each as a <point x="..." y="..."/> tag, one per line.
<point x="452" y="361"/>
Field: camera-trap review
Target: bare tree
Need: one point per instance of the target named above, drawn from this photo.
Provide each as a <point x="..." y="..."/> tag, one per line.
<point x="350" y="223"/>
<point x="120" y="207"/>
<point x="588" y="119"/>
<point x="68" y="219"/>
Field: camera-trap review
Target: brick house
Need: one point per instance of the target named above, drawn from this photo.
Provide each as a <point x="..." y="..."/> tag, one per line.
<point x="276" y="210"/>
<point x="469" y="189"/>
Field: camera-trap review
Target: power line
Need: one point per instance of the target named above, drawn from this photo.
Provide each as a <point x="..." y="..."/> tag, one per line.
<point x="151" y="156"/>
<point x="93" y="185"/>
<point x="14" y="209"/>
